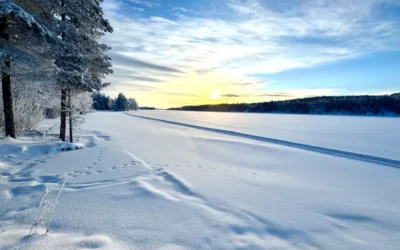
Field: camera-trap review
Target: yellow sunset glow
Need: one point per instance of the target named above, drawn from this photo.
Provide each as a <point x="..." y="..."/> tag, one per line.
<point x="215" y="88"/>
<point x="215" y="94"/>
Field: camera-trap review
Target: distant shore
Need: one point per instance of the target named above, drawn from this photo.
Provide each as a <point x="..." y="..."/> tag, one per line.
<point x="364" y="105"/>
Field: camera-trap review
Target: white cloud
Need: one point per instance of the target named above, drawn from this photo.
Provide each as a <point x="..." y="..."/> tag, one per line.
<point x="259" y="38"/>
<point x="146" y="3"/>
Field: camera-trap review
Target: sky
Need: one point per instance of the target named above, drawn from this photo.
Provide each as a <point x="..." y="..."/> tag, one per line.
<point x="170" y="53"/>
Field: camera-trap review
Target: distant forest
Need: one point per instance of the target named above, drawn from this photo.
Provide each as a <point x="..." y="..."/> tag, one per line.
<point x="120" y="103"/>
<point x="147" y="108"/>
<point x="337" y="105"/>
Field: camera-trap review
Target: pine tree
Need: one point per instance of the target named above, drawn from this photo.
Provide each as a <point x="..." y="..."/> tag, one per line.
<point x="133" y="104"/>
<point x="23" y="25"/>
<point x="81" y="60"/>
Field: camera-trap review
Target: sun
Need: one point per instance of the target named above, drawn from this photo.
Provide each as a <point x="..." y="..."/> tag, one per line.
<point x="215" y="94"/>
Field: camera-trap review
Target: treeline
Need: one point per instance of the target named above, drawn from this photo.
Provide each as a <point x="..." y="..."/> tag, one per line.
<point x="344" y="105"/>
<point x="147" y="108"/>
<point x="120" y="103"/>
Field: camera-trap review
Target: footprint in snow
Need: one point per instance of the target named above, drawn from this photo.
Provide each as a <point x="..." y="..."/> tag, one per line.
<point x="91" y="244"/>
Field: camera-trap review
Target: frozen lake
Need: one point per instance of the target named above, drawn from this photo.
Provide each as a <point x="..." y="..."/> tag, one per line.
<point x="377" y="136"/>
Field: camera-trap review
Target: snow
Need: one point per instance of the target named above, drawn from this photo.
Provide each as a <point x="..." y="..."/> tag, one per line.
<point x="365" y="135"/>
<point x="148" y="184"/>
<point x="10" y="8"/>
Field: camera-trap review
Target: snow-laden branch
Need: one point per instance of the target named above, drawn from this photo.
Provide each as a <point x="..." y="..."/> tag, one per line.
<point x="8" y="8"/>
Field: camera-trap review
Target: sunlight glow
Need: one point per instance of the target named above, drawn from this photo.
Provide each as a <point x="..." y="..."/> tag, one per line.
<point x="215" y="94"/>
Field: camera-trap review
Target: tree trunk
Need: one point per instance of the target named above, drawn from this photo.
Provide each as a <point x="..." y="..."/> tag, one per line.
<point x="6" y="84"/>
<point x="63" y="118"/>
<point x="71" y="137"/>
<point x="8" y="100"/>
<point x="63" y="125"/>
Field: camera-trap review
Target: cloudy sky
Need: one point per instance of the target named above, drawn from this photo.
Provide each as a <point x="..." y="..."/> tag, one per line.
<point x="169" y="53"/>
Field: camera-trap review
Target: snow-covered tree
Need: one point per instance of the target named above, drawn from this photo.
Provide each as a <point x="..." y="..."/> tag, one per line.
<point x="132" y="104"/>
<point x="121" y="103"/>
<point x="23" y="26"/>
<point x="80" y="58"/>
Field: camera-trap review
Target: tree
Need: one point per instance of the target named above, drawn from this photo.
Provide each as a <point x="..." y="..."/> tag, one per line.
<point x="81" y="60"/>
<point x="22" y="27"/>
<point x="121" y="103"/>
<point x="109" y="103"/>
<point x="133" y="104"/>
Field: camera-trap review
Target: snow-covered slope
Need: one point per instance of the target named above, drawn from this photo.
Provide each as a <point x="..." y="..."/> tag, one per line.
<point x="147" y="184"/>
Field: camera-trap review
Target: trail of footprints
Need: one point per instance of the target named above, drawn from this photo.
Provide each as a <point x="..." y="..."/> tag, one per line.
<point x="25" y="175"/>
<point x="91" y="168"/>
<point x="160" y="167"/>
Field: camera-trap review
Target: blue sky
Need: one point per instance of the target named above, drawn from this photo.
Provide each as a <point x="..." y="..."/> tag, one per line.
<point x="176" y="52"/>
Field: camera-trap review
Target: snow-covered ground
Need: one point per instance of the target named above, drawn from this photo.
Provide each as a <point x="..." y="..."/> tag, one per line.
<point x="207" y="181"/>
